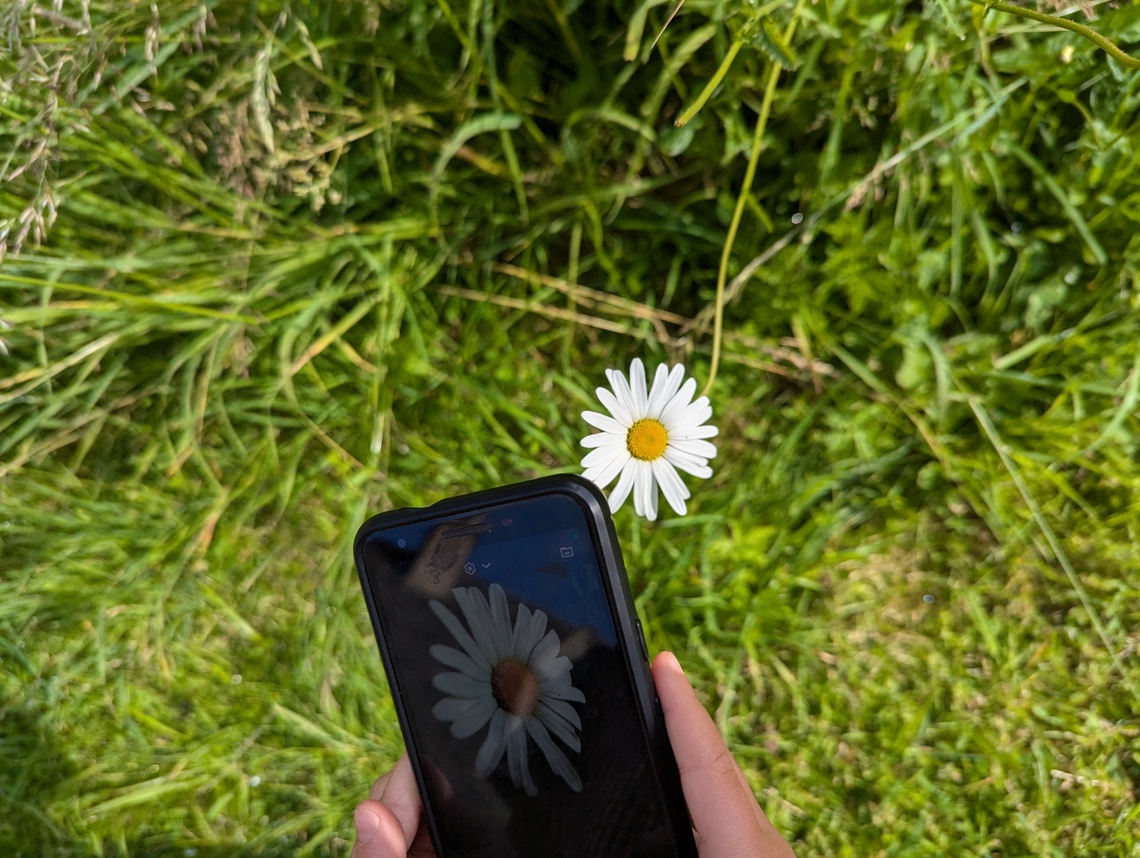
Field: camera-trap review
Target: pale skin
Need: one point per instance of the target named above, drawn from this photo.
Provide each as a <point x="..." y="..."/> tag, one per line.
<point x="727" y="821"/>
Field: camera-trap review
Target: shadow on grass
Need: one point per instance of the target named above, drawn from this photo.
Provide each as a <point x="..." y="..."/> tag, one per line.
<point x="33" y="768"/>
<point x="34" y="774"/>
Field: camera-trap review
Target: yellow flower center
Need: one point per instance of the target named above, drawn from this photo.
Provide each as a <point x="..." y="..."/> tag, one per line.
<point x="514" y="687"/>
<point x="646" y="439"/>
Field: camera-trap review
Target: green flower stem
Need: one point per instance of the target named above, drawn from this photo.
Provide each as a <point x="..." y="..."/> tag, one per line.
<point x="713" y="83"/>
<point x="1080" y="29"/>
<point x="741" y="201"/>
<point x="734" y="224"/>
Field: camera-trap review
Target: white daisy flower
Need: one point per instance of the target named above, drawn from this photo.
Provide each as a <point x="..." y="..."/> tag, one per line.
<point x="511" y="677"/>
<point x="648" y="438"/>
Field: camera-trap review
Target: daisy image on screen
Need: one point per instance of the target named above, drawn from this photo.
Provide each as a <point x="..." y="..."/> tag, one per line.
<point x="511" y="679"/>
<point x="647" y="437"/>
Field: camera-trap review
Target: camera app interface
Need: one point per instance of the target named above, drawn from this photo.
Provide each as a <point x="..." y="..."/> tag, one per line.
<point x="504" y="650"/>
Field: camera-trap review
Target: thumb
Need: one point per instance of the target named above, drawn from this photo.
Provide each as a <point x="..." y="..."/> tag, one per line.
<point x="379" y="833"/>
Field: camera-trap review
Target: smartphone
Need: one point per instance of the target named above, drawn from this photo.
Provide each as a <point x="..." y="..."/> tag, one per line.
<point x="521" y="677"/>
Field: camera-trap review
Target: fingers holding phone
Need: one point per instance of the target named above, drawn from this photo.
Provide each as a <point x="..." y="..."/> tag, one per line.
<point x="724" y="812"/>
<point x="388" y="825"/>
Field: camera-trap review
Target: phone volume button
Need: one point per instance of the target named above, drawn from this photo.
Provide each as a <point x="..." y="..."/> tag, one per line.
<point x="641" y="640"/>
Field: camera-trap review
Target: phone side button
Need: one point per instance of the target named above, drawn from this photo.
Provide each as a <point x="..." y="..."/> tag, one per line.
<point x="641" y="640"/>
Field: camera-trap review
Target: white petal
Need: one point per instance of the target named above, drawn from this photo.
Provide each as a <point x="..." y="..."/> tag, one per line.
<point x="501" y="620"/>
<point x="679" y="457"/>
<point x="460" y="661"/>
<point x="664" y="389"/>
<point x="477" y="718"/>
<point x="671" y="485"/>
<point x="559" y="692"/>
<point x="522" y="623"/>
<point x="557" y="760"/>
<point x="559" y="726"/>
<point x="638" y="487"/>
<point x="478" y="615"/>
<point x="561" y="707"/>
<point x="557" y="677"/>
<point x="618" y="409"/>
<point x="599" y="457"/>
<point x="493" y="746"/>
<point x="461" y="635"/>
<point x="555" y="672"/>
<point x="603" y="474"/>
<point x="460" y="685"/>
<point x="654" y="400"/>
<point x="689" y="464"/>
<point x="521" y="630"/>
<point x="516" y="755"/>
<point x="529" y="631"/>
<point x="651" y="511"/>
<point x="676" y="406"/>
<point x="624" y="395"/>
<point x="645" y="491"/>
<point x="687" y="435"/>
<point x="702" y="449"/>
<point x="692" y="416"/>
<point x="543" y="656"/>
<point x="605" y="423"/>
<point x="455" y="708"/>
<point x="621" y="490"/>
<point x="468" y="717"/>
<point x="637" y="386"/>
<point x="605" y="439"/>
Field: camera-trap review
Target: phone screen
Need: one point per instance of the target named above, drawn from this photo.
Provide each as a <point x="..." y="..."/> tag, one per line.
<point x="500" y="634"/>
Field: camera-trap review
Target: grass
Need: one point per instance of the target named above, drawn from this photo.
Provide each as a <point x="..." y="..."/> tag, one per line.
<point x="271" y="268"/>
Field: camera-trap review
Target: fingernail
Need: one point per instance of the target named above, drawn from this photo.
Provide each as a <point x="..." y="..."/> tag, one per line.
<point x="672" y="663"/>
<point x="367" y="824"/>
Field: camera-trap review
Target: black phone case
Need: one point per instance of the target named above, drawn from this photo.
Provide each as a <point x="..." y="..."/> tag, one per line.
<point x="622" y="609"/>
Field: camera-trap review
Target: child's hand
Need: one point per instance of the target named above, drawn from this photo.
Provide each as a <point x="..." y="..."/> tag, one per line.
<point x="728" y="821"/>
<point x="390" y="823"/>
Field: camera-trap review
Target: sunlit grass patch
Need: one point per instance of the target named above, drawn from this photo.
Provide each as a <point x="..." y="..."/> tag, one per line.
<point x="269" y="271"/>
